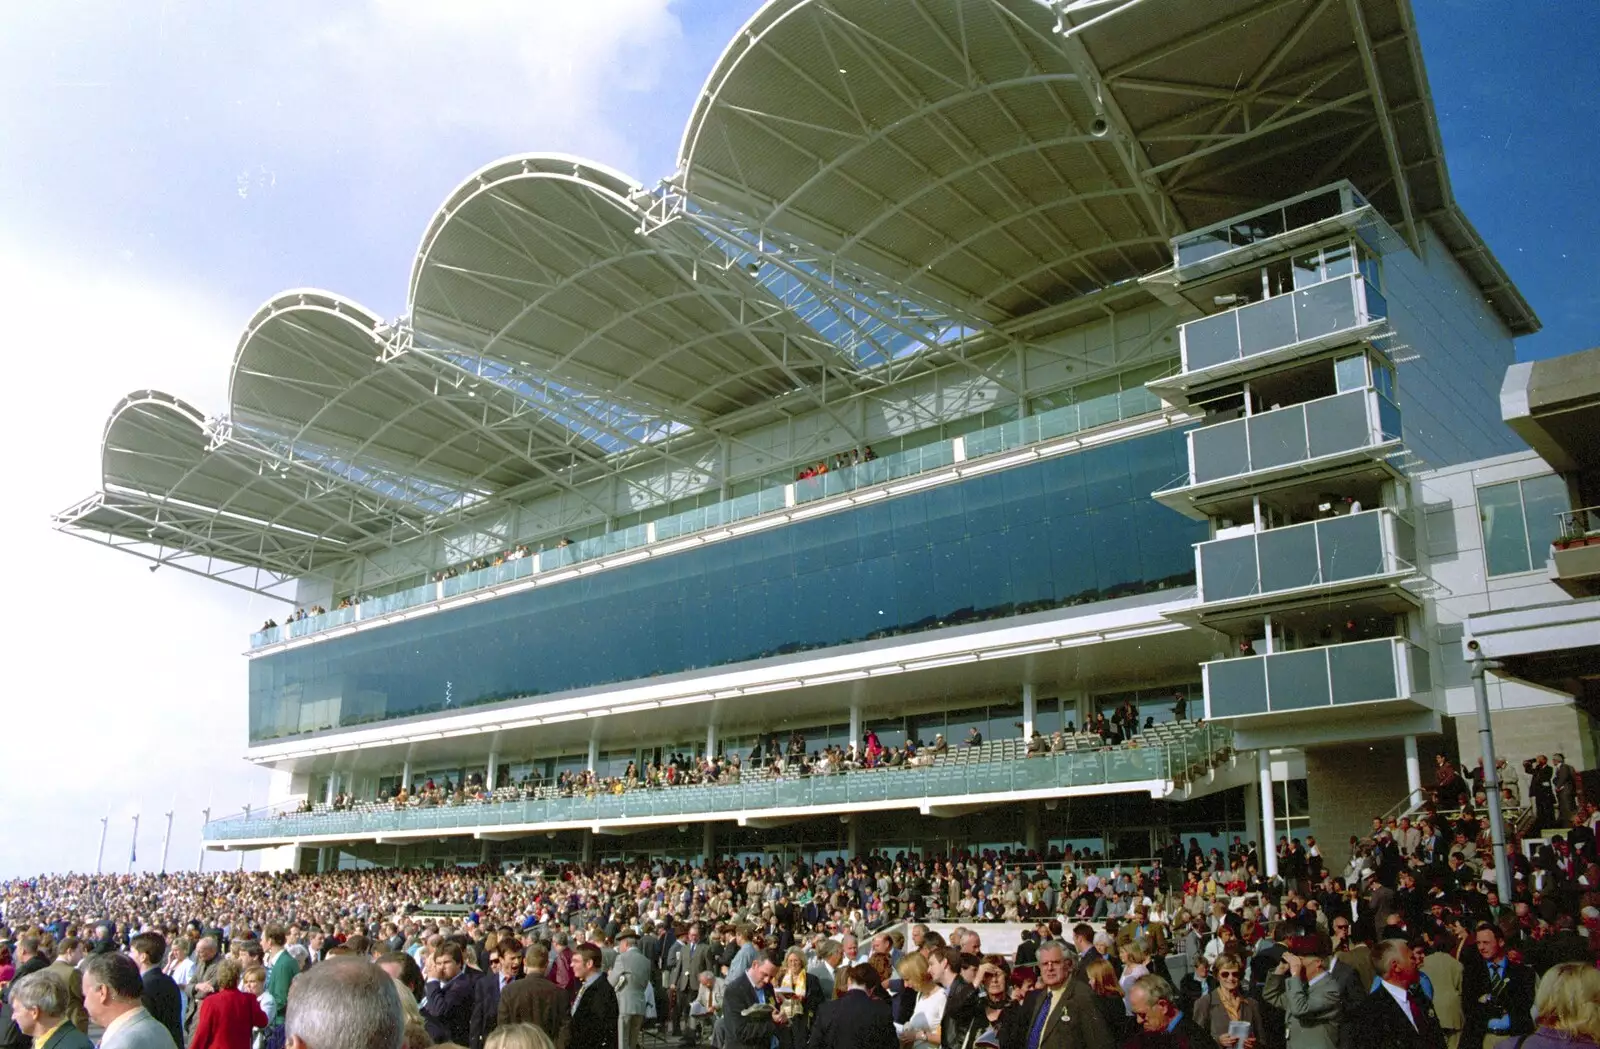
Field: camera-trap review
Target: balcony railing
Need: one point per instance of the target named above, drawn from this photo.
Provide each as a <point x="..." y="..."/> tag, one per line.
<point x="1295" y="436"/>
<point x="1057" y="422"/>
<point x="1177" y="762"/>
<point x="1366" y="545"/>
<point x="1246" y="231"/>
<point x="1386" y="669"/>
<point x="1318" y="316"/>
<point x="1582" y="523"/>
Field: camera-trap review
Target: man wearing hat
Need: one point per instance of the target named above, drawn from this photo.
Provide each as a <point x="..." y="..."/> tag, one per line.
<point x="630" y="975"/>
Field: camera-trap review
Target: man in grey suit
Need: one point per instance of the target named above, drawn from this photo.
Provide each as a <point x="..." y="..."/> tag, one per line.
<point x="112" y="989"/>
<point x="1311" y="999"/>
<point x="683" y="979"/>
<point x="630" y="975"/>
<point x="1565" y="785"/>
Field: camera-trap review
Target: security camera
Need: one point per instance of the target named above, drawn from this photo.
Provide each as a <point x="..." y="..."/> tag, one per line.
<point x="1099" y="127"/>
<point x="1472" y="644"/>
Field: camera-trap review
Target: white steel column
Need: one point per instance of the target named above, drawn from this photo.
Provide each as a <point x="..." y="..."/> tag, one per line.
<point x="405" y="776"/>
<point x="855" y="725"/>
<point x="494" y="767"/>
<point x="1269" y="816"/>
<point x="1413" y="771"/>
<point x="327" y="798"/>
<point x="711" y="744"/>
<point x="594" y="753"/>
<point x="1252" y="815"/>
<point x="1027" y="710"/>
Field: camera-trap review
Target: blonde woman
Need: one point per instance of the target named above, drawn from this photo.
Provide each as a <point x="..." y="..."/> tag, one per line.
<point x="518" y="1036"/>
<point x="1135" y="963"/>
<point x="921" y="1027"/>
<point x="799" y="995"/>
<point x="1567" y="1008"/>
<point x="416" y="1029"/>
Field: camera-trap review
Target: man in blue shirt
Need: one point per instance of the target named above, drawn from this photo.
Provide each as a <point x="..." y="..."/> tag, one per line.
<point x="1496" y="993"/>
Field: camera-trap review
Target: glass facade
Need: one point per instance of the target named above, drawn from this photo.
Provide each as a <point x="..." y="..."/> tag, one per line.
<point x="1061" y="531"/>
<point x="1520" y="521"/>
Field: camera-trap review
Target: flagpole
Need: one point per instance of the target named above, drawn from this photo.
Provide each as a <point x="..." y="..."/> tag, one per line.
<point x="206" y="812"/>
<point x="166" y="840"/>
<point x="241" y="851"/>
<point x="100" y="857"/>
<point x="133" y="851"/>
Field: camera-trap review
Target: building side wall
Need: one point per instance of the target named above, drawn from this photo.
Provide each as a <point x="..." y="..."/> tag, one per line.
<point x="1454" y="353"/>
<point x="1348" y="785"/>
<point x="1527" y="731"/>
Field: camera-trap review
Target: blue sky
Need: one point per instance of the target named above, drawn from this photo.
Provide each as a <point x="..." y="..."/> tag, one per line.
<point x="167" y="166"/>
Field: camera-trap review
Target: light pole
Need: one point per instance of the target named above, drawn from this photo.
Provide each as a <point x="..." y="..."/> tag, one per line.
<point x="1491" y="775"/>
<point x="247" y="820"/>
<point x="100" y="857"/>
<point x="133" y="849"/>
<point x="206" y="812"/>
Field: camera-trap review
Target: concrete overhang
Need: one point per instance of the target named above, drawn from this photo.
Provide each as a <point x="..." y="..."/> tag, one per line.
<point x="1555" y="644"/>
<point x="1554" y="405"/>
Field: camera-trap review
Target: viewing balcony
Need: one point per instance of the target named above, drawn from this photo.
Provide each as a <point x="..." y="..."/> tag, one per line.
<point x="1374" y="549"/>
<point x="1575" y="555"/>
<point x="962" y="776"/>
<point x="1348" y="679"/>
<point x="1288" y="224"/>
<point x="1275" y="331"/>
<point x="1272" y="448"/>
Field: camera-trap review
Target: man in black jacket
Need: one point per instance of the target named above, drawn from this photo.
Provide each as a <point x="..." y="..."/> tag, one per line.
<point x="961" y="1001"/>
<point x="1496" y="993"/>
<point x="447" y="996"/>
<point x="1397" y="1015"/>
<point x="855" y="1020"/>
<point x="505" y="967"/>
<point x="162" y="999"/>
<point x="594" y="1010"/>
<point x="744" y="1024"/>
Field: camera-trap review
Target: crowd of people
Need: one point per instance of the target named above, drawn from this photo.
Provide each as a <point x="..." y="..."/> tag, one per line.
<point x="1402" y="944"/>
<point x="841" y="461"/>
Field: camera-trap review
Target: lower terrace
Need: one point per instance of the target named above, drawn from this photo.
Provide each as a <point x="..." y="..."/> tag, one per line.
<point x="1164" y="758"/>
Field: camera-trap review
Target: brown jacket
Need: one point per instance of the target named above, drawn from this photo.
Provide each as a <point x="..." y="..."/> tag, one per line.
<point x="536" y="1000"/>
<point x="74" y="981"/>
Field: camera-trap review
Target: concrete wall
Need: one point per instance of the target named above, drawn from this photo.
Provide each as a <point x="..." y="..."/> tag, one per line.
<point x="1452" y="352"/>
<point x="1349" y="784"/>
<point x="1526" y="732"/>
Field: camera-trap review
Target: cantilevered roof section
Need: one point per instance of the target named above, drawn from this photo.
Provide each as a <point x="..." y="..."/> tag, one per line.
<point x="538" y="262"/>
<point x="1004" y="156"/>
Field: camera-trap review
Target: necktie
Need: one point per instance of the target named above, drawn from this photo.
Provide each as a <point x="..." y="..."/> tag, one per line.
<point x="1038" y="1023"/>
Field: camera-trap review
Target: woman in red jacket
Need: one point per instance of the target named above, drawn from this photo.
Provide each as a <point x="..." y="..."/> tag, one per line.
<point x="229" y="1016"/>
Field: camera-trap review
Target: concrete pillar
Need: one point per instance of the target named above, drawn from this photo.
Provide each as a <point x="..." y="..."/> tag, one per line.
<point x="483" y="852"/>
<point x="594" y="753"/>
<point x="855" y="725"/>
<point x="333" y="782"/>
<point x="711" y="743"/>
<point x="1269" y="816"/>
<point x="588" y="846"/>
<point x="405" y="775"/>
<point x="494" y="767"/>
<point x="708" y="842"/>
<point x="1030" y="825"/>
<point x="852" y="846"/>
<point x="1027" y="710"/>
<point x="1413" y="771"/>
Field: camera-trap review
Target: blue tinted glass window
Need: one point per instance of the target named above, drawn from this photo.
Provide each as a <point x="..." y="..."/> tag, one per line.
<point x="1058" y="532"/>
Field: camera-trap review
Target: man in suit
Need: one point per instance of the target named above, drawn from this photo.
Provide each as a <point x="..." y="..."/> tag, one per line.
<point x="694" y="958"/>
<point x="282" y="968"/>
<point x="505" y="968"/>
<point x="113" y="993"/>
<point x="855" y="1020"/>
<point x="202" y="981"/>
<point x="1565" y="784"/>
<point x="535" y="999"/>
<point x="69" y="952"/>
<point x="1496" y="993"/>
<point x="630" y="976"/>
<point x="1396" y="1015"/>
<point x="742" y="995"/>
<point x="447" y="996"/>
<point x="1060" y="1015"/>
<point x="161" y="998"/>
<point x="1311" y="999"/>
<point x="1541" y="790"/>
<point x="39" y="1004"/>
<point x="1161" y="1024"/>
<point x="594" y="1009"/>
<point x="1444" y="973"/>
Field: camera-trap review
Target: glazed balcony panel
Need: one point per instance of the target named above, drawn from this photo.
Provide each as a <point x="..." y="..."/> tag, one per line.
<point x="1331" y="551"/>
<point x="1322" y="678"/>
<point x="1296" y="435"/>
<point x="1310" y="319"/>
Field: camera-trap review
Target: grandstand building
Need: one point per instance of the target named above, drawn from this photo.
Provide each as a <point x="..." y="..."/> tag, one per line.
<point x="1150" y="358"/>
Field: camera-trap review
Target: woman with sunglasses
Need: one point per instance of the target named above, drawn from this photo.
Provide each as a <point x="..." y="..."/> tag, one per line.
<point x="1227" y="1005"/>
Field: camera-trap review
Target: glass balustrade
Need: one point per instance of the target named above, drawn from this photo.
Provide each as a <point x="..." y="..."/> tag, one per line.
<point x="1310" y="315"/>
<point x="1317" y="553"/>
<point x="1316" y="678"/>
<point x="1057" y="422"/>
<point x="949" y="777"/>
<point x="1245" y="230"/>
<point x="1299" y="433"/>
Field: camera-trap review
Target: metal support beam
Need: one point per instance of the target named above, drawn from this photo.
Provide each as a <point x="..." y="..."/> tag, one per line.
<point x="1380" y="108"/>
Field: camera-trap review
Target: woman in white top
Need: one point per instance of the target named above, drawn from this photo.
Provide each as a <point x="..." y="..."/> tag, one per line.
<point x="922" y="1030"/>
<point x="1135" y="956"/>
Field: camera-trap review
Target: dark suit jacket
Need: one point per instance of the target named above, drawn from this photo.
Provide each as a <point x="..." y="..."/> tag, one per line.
<point x="163" y="1001"/>
<point x="1517" y="1000"/>
<point x="447" y="1009"/>
<point x="1381" y="1024"/>
<point x="853" y="1022"/>
<point x="745" y="1032"/>
<point x="1075" y="1024"/>
<point x="1186" y="1034"/>
<point x="594" y="1021"/>
<point x="534" y="999"/>
<point x="67" y="1037"/>
<point x="485" y="1009"/>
